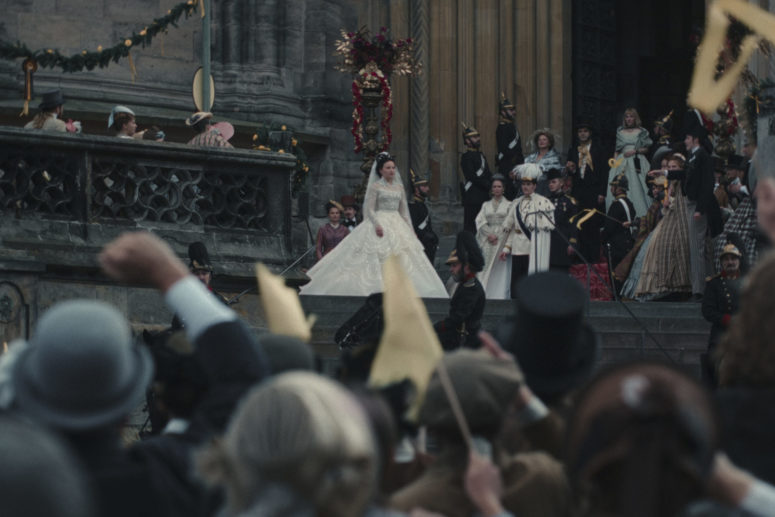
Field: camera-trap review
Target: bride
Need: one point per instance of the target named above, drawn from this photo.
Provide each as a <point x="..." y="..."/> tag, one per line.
<point x="354" y="267"/>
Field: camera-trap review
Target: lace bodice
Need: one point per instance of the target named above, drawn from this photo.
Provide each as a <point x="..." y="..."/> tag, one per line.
<point x="385" y="196"/>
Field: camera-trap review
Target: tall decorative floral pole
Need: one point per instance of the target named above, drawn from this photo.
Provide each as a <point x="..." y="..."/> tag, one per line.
<point x="372" y="61"/>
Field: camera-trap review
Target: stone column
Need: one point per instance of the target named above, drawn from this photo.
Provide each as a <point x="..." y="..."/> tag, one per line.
<point x="419" y="132"/>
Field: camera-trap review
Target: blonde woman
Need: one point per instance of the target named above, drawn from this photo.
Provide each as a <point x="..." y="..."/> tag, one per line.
<point x="632" y="144"/>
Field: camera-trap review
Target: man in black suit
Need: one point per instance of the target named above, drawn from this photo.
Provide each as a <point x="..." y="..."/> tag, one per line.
<point x="700" y="200"/>
<point x="509" y="145"/>
<point x="588" y="168"/>
<point x="475" y="188"/>
<point x="466" y="307"/>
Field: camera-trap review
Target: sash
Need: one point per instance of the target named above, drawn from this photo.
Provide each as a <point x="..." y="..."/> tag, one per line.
<point x="481" y="169"/>
<point x="424" y="223"/>
<point x="522" y="223"/>
<point x="626" y="209"/>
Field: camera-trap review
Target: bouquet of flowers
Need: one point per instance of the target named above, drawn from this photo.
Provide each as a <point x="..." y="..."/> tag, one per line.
<point x="357" y="49"/>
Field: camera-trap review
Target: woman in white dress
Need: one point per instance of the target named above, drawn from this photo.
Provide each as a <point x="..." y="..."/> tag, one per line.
<point x="354" y="267"/>
<point x="496" y="276"/>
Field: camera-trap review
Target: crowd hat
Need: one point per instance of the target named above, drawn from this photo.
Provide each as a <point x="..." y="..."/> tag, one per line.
<point x="417" y="180"/>
<point x="553" y="174"/>
<point x="198" y="117"/>
<point x="505" y="103"/>
<point x="115" y="111"/>
<point x="469" y="252"/>
<point x="453" y="258"/>
<point x="731" y="249"/>
<point x="736" y="161"/>
<point x="485" y="387"/>
<point x="554" y="345"/>
<point x="198" y="257"/>
<point x="620" y="181"/>
<point x="528" y="172"/>
<point x="81" y="370"/>
<point x="348" y="201"/>
<point x="51" y="100"/>
<point x="469" y="131"/>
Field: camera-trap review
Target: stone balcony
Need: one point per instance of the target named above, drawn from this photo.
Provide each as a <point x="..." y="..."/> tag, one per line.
<point x="64" y="196"/>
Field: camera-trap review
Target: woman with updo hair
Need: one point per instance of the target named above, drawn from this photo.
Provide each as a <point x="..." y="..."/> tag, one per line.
<point x="354" y="267"/>
<point x="298" y="445"/>
<point x="496" y="276"/>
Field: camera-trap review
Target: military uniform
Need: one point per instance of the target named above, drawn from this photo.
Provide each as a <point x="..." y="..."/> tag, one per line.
<point x="720" y="301"/>
<point x="421" y="222"/>
<point x="565" y="207"/>
<point x="475" y="189"/>
<point x="509" y="144"/>
<point x="617" y="236"/>
<point x="466" y="308"/>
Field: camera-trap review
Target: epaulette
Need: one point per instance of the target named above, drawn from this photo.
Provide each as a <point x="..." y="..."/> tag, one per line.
<point x="572" y="199"/>
<point x="709" y="278"/>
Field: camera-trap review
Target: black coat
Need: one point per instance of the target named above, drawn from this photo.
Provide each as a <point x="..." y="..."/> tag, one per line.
<point x="477" y="178"/>
<point x="595" y="181"/>
<point x="465" y="316"/>
<point x="509" y="156"/>
<point x="421" y="222"/>
<point x="617" y="236"/>
<point x="699" y="180"/>
<point x="565" y="207"/>
<point x="720" y="301"/>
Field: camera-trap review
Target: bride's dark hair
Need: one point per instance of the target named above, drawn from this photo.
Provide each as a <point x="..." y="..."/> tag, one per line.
<point x="382" y="159"/>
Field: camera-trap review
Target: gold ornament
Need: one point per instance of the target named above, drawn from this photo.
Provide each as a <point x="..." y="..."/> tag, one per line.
<point x="143" y="32"/>
<point x="128" y="42"/>
<point x="99" y="48"/>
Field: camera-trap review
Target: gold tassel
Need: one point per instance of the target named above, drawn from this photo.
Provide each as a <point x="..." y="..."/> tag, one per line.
<point x="586" y="218"/>
<point x="132" y="68"/>
<point x="29" y="66"/>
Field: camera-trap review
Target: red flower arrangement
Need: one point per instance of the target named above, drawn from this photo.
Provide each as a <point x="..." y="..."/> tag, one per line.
<point x="358" y="49"/>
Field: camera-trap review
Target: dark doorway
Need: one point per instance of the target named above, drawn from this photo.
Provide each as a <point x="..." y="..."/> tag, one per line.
<point x="637" y="54"/>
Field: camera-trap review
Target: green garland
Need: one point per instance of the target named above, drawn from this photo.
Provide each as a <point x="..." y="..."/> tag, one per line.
<point x="52" y="58"/>
<point x="261" y="142"/>
<point x="753" y="103"/>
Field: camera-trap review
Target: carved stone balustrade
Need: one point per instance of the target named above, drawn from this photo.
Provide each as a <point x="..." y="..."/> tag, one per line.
<point x="63" y="196"/>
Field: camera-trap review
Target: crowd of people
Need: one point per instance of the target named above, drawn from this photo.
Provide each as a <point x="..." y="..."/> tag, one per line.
<point x="122" y="123"/>
<point x="515" y="423"/>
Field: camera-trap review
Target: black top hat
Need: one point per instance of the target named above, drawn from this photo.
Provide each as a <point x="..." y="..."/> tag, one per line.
<point x="553" y="344"/>
<point x="468" y="251"/>
<point x="198" y="257"/>
<point x="693" y="125"/>
<point x="584" y="124"/>
<point x="736" y="162"/>
<point x="553" y="174"/>
<point x="51" y="100"/>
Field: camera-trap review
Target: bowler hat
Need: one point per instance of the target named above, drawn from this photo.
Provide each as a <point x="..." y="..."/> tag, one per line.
<point x="548" y="335"/>
<point x="51" y="100"/>
<point x="347" y="200"/>
<point x="81" y="370"/>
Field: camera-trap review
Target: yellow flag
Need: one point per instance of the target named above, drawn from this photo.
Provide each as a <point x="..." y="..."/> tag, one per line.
<point x="409" y="348"/>
<point x="282" y="307"/>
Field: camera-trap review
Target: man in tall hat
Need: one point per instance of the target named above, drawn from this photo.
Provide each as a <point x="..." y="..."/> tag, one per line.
<point x="349" y="212"/>
<point x="617" y="235"/>
<point x="565" y="233"/>
<point x="720" y="302"/>
<point x="421" y="216"/>
<point x="588" y="170"/>
<point x="475" y="189"/>
<point x="509" y="144"/>
<point x="528" y="228"/>
<point x="662" y="140"/>
<point x="466" y="306"/>
<point x="50" y="109"/>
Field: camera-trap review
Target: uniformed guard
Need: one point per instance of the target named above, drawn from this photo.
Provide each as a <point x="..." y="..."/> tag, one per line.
<point x="565" y="233"/>
<point x="509" y="145"/>
<point x="719" y="303"/>
<point x="421" y="216"/>
<point x="617" y="235"/>
<point x="475" y="189"/>
<point x="466" y="307"/>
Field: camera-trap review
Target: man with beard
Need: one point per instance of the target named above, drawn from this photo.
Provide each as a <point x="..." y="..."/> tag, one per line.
<point x="587" y="167"/>
<point x="720" y="301"/>
<point x="475" y="189"/>
<point x="421" y="217"/>
<point x="461" y="327"/>
<point x="564" y="232"/>
<point x="509" y="145"/>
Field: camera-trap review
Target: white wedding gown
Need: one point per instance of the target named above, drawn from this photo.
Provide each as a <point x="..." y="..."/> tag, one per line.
<point x="354" y="266"/>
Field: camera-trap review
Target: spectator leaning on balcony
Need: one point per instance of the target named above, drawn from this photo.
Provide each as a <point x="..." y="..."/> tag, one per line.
<point x="50" y="109"/>
<point x="207" y="135"/>
<point x="122" y="121"/>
